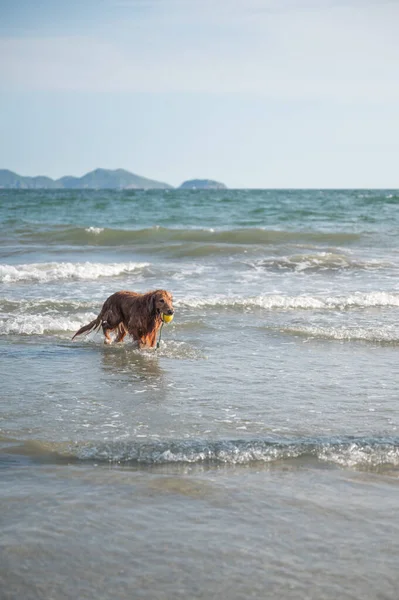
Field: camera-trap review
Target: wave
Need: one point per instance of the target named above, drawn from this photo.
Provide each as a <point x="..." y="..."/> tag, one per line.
<point x="350" y="452"/>
<point x="321" y="261"/>
<point x="98" y="236"/>
<point x="302" y="302"/>
<point x="384" y="335"/>
<point x="47" y="316"/>
<point x="45" y="305"/>
<point x="43" y="324"/>
<point x="56" y="324"/>
<point x="53" y="271"/>
<point x="357" y="300"/>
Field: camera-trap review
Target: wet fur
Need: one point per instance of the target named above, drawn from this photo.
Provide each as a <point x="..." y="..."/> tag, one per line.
<point x="138" y="315"/>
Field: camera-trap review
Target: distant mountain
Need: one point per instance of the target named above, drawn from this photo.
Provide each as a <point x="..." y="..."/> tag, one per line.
<point x="99" y="179"/>
<point x="8" y="179"/>
<point x="202" y="184"/>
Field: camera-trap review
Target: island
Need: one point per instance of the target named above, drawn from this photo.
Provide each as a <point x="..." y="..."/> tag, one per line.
<point x="202" y="184"/>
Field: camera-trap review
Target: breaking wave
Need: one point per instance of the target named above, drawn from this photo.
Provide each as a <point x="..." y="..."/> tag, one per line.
<point x="350" y="452"/>
<point x="320" y="261"/>
<point x="45" y="305"/>
<point x="28" y="324"/>
<point x="46" y="316"/>
<point x="53" y="271"/>
<point x="302" y="302"/>
<point x="380" y="335"/>
<point x="358" y="300"/>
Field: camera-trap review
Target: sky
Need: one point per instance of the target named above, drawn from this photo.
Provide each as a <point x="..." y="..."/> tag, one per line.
<point x="253" y="93"/>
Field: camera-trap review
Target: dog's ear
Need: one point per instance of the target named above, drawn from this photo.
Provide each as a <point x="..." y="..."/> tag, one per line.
<point x="151" y="303"/>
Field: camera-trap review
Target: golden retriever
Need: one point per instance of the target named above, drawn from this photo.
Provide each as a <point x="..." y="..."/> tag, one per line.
<point x="140" y="315"/>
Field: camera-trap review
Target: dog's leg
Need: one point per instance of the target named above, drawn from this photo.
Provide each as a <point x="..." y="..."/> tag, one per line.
<point x="134" y="333"/>
<point x="140" y="339"/>
<point x="150" y="339"/>
<point x="110" y="321"/>
<point x="121" y="333"/>
<point x="106" y="329"/>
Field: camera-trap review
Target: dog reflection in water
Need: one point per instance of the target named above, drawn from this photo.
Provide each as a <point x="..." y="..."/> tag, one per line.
<point x="132" y="365"/>
<point x="139" y="315"/>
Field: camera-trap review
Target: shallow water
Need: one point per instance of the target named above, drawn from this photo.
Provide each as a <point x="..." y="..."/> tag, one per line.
<point x="256" y="453"/>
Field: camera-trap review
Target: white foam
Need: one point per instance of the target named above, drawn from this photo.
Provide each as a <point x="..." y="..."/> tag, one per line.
<point x="43" y="324"/>
<point x="321" y="261"/>
<point x="360" y="456"/>
<point x="387" y="334"/>
<point x="45" y="304"/>
<point x="44" y="272"/>
<point x="305" y="302"/>
<point x="228" y="452"/>
<point x="95" y="230"/>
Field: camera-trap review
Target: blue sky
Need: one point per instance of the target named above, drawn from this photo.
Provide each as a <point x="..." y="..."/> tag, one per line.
<point x="254" y="93"/>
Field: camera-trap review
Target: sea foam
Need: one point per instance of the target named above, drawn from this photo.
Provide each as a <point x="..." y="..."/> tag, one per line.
<point x="379" y="335"/>
<point x="371" y="454"/>
<point x="53" y="271"/>
<point x="43" y="324"/>
<point x="300" y="302"/>
<point x="318" y="262"/>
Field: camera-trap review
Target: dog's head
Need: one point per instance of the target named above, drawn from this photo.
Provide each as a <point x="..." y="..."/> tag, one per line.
<point x="162" y="302"/>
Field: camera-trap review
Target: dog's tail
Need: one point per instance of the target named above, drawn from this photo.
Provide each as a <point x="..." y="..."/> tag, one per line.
<point x="90" y="327"/>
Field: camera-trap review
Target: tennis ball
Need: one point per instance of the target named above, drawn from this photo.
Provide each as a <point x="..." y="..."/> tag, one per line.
<point x="167" y="318"/>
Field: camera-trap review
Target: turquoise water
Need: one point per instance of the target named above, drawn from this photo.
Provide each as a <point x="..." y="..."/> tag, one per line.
<point x="256" y="453"/>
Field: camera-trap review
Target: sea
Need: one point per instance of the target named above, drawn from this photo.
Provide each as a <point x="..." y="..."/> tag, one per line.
<point x="255" y="454"/>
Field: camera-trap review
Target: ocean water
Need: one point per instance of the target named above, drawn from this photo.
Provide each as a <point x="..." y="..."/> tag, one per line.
<point x="256" y="453"/>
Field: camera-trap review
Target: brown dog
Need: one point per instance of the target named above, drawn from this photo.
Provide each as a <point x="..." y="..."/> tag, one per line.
<point x="140" y="315"/>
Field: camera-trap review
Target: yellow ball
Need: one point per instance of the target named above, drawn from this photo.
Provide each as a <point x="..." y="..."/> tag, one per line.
<point x="167" y="318"/>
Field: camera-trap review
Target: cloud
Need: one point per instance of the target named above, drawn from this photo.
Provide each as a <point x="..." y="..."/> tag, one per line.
<point x="285" y="50"/>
